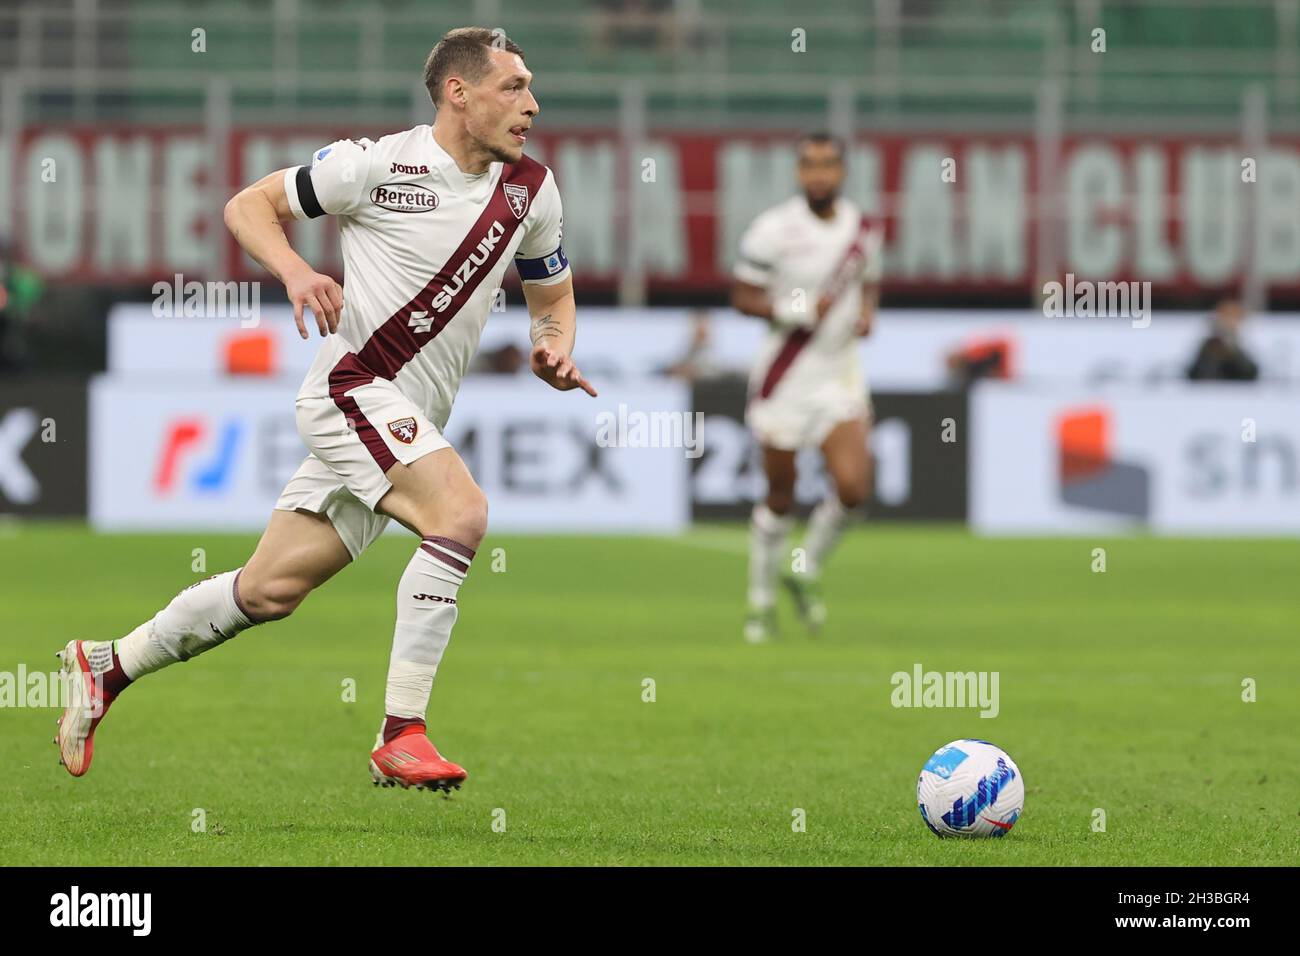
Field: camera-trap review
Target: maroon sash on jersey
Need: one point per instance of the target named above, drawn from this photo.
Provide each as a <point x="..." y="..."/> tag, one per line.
<point x="397" y="341"/>
<point x="843" y="276"/>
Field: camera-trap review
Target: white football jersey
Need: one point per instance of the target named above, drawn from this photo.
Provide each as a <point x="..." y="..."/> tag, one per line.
<point x="792" y="253"/>
<point x="425" y="247"/>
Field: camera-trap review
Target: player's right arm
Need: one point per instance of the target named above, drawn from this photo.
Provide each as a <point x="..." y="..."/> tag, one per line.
<point x="253" y="217"/>
<point x="334" y="184"/>
<point x="750" y="299"/>
<point x="754" y="272"/>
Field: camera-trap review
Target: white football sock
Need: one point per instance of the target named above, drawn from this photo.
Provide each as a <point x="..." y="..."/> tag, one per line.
<point x="198" y="619"/>
<point x="426" y="613"/>
<point x="767" y="550"/>
<point x="825" y="526"/>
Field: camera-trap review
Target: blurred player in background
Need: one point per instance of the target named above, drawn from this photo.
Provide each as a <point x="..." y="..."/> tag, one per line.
<point x="375" y="402"/>
<point x="809" y="266"/>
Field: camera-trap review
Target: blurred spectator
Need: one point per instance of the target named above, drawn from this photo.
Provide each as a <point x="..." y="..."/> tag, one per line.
<point x="506" y="360"/>
<point x="20" y="287"/>
<point x="697" y="363"/>
<point x="644" y="24"/>
<point x="1221" y="357"/>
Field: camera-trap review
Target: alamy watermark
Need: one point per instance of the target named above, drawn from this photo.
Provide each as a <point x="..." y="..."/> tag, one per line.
<point x="208" y="300"/>
<point x="77" y="908"/>
<point x="40" y="689"/>
<point x="635" y="429"/>
<point x="1085" y="299"/>
<point x="922" y="688"/>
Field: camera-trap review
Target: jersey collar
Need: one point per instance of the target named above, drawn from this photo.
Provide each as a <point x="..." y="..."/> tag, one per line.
<point x="837" y="212"/>
<point x="443" y="162"/>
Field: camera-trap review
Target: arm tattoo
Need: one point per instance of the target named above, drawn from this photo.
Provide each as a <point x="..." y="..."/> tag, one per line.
<point x="544" y="327"/>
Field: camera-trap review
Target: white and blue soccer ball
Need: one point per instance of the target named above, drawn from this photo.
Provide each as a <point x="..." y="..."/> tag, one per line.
<point x="970" y="788"/>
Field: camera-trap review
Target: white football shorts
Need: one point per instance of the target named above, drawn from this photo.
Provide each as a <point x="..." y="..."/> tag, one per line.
<point x="353" y="442"/>
<point x="803" y="421"/>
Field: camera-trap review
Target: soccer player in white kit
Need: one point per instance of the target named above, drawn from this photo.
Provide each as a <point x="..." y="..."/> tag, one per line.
<point x="809" y="266"/>
<point x="430" y="219"/>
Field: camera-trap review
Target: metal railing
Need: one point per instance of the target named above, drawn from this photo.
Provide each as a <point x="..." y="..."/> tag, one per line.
<point x="888" y="54"/>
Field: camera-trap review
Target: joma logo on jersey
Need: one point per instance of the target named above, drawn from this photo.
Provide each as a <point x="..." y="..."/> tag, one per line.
<point x="410" y="170"/>
<point x="470" y="266"/>
<point x="404" y="197"/>
<point x="404" y="430"/>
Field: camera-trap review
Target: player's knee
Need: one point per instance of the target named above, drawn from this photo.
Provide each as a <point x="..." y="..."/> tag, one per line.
<point x="780" y="501"/>
<point x="460" y="514"/>
<point x="272" y="599"/>
<point x="853" y="493"/>
<point x="472" y="519"/>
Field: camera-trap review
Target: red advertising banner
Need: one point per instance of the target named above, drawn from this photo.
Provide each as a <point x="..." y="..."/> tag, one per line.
<point x="119" y="204"/>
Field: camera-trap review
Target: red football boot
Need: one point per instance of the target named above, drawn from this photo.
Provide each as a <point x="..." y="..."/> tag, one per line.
<point x="87" y="702"/>
<point x="411" y="760"/>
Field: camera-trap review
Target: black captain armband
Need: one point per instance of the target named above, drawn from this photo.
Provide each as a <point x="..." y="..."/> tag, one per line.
<point x="307" y="193"/>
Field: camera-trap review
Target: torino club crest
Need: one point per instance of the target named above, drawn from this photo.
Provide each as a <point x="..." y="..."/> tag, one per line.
<point x="518" y="196"/>
<point x="404" y="430"/>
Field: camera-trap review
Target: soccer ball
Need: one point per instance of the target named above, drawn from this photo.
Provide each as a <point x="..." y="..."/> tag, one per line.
<point x="970" y="788"/>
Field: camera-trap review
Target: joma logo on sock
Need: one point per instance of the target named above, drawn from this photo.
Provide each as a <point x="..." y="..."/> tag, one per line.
<point x="435" y="597"/>
<point x="103" y="909"/>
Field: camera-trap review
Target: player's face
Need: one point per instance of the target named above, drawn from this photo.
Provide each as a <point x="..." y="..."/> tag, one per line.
<point x="501" y="107"/>
<point x="821" y="172"/>
<point x="1230" y="316"/>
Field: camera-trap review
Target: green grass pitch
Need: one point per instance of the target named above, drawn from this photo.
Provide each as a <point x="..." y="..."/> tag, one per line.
<point x="1119" y="690"/>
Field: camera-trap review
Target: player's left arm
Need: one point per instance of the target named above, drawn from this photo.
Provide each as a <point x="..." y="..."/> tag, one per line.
<point x="548" y="290"/>
<point x="872" y="273"/>
<point x="867" y="316"/>
<point x="554" y="315"/>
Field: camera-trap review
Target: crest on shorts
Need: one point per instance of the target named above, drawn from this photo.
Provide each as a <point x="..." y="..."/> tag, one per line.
<point x="518" y="196"/>
<point x="404" y="430"/>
